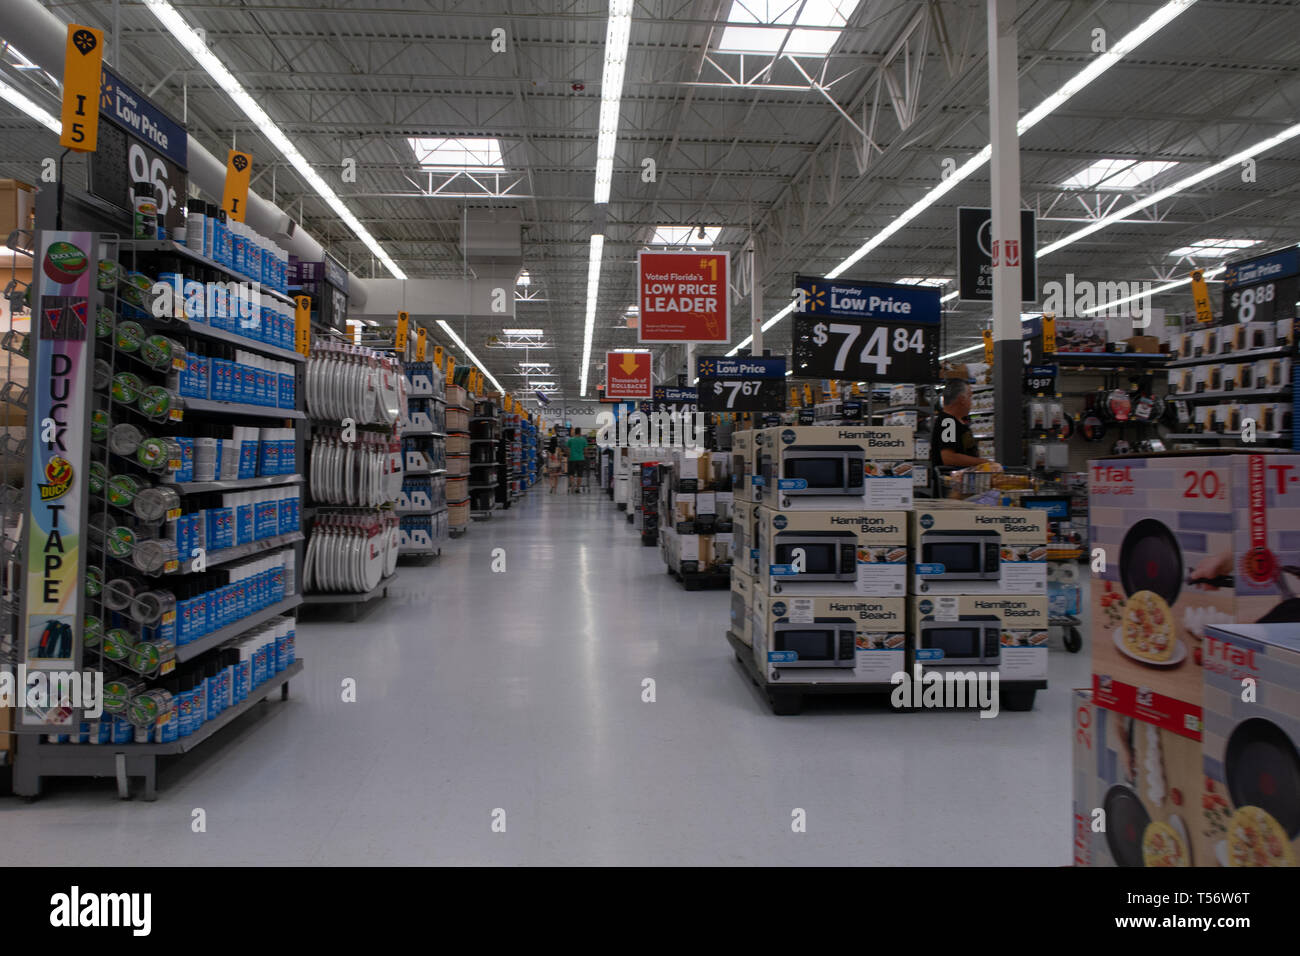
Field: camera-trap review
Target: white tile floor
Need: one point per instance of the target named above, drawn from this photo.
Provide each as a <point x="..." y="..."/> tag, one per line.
<point x="522" y="691"/>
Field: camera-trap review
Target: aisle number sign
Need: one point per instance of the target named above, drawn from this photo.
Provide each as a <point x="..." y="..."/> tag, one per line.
<point x="451" y="369"/>
<point x="628" y="376"/>
<point x="437" y="352"/>
<point x="683" y="296"/>
<point x="403" y="331"/>
<point x="420" y="337"/>
<point x="239" y="171"/>
<point x="82" y="62"/>
<point x="1049" y="332"/>
<point x="1201" y="296"/>
<point x="988" y="346"/>
<point x="302" y="324"/>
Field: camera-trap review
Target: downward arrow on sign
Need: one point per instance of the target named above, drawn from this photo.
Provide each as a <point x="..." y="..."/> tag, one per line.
<point x="629" y="363"/>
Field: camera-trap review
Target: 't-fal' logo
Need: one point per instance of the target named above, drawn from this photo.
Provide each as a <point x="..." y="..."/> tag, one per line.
<point x="1229" y="653"/>
<point x="1112" y="473"/>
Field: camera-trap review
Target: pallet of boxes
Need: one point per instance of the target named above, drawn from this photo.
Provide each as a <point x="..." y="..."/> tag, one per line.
<point x="840" y="586"/>
<point x="1187" y="745"/>
<point x="695" y="505"/>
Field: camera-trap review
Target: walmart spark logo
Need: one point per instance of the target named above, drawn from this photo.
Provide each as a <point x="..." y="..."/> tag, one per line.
<point x="105" y="92"/>
<point x="816" y="298"/>
<point x="707" y="368"/>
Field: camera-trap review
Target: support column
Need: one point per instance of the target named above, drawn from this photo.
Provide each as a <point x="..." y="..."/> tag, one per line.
<point x="1004" y="174"/>
<point x="755" y="298"/>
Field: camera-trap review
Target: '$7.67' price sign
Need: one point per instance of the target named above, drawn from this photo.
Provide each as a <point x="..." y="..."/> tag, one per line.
<point x="741" y="384"/>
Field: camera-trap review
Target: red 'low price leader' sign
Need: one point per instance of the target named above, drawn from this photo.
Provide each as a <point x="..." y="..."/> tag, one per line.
<point x="683" y="296"/>
<point x="627" y="375"/>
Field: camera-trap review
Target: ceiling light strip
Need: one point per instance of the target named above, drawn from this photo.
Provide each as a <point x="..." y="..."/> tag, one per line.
<point x="30" y="107"/>
<point x="1173" y="189"/>
<point x="185" y="35"/>
<point x="593" y="290"/>
<point x="470" y="355"/>
<point x="1111" y="303"/>
<point x="617" y="34"/>
<point x="1125" y="45"/>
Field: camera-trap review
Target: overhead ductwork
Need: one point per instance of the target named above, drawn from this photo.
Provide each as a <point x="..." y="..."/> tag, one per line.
<point x="42" y="36"/>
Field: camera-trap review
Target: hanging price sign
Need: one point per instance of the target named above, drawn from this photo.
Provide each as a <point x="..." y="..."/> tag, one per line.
<point x="741" y="384"/>
<point x="866" y="332"/>
<point x="1040" y="378"/>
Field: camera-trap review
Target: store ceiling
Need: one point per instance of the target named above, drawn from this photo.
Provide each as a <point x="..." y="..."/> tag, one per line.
<point x="356" y="79"/>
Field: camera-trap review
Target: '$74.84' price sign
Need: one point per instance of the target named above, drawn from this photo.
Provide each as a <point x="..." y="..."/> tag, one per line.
<point x="867" y="333"/>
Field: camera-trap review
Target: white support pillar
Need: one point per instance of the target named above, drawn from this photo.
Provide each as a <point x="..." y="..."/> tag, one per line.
<point x="755" y="298"/>
<point x="1004" y="174"/>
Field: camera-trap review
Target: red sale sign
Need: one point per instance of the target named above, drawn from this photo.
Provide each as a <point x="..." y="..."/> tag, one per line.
<point x="627" y="375"/>
<point x="683" y="296"/>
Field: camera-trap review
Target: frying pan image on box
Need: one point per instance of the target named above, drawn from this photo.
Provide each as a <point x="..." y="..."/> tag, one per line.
<point x="1126" y="821"/>
<point x="1262" y="769"/>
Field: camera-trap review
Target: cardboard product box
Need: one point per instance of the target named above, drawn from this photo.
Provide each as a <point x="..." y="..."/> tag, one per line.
<point x="1143" y="343"/>
<point x="742" y="595"/>
<point x="1080" y="335"/>
<point x="694" y="472"/>
<point x="688" y="552"/>
<point x="1188" y="541"/>
<point x="744" y="465"/>
<point x="745" y="533"/>
<point x="1140" y="786"/>
<point x="722" y="553"/>
<point x="845" y="552"/>
<point x="902" y="395"/>
<point x="782" y="626"/>
<point x="953" y="543"/>
<point x="943" y="629"/>
<point x="1250" y="749"/>
<point x="683" y="512"/>
<point x="850" y="467"/>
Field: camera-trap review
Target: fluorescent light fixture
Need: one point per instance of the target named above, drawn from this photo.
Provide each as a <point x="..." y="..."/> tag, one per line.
<point x="1094" y="69"/>
<point x="961" y="352"/>
<point x="185" y="35"/>
<point x="1116" y="174"/>
<point x="523" y="331"/>
<point x="29" y="106"/>
<point x="761" y="26"/>
<point x="950" y="296"/>
<point x="524" y="279"/>
<point x="617" y="34"/>
<point x="917" y="280"/>
<point x="470" y="355"/>
<point x="1232" y="162"/>
<point x="475" y="154"/>
<point x="593" y="290"/>
<point x="537" y="366"/>
<point x="1111" y="303"/>
<point x="1214" y="248"/>
<point x="684" y="236"/>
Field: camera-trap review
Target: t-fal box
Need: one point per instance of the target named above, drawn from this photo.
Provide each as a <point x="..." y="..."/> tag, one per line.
<point x="959" y="548"/>
<point x="744" y="470"/>
<point x="742" y="594"/>
<point x="1003" y="632"/>
<point x="1138" y="792"/>
<point x="844" y="467"/>
<point x="1250" y="746"/>
<point x="832" y="552"/>
<point x="843" y="639"/>
<point x="1181" y="542"/>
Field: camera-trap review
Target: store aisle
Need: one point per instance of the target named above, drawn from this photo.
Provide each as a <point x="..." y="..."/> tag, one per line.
<point x="521" y="691"/>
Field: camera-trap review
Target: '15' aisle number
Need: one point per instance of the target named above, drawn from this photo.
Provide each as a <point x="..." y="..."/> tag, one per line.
<point x="875" y="351"/>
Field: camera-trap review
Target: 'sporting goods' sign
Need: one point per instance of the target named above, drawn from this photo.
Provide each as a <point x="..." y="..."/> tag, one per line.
<point x="627" y="375"/>
<point x="741" y="384"/>
<point x="879" y="333"/>
<point x="56" y="481"/>
<point x="683" y="296"/>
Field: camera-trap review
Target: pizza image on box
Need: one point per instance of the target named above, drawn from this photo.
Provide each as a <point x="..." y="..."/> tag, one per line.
<point x="1162" y="846"/>
<point x="1148" y="627"/>
<point x="1255" y="838"/>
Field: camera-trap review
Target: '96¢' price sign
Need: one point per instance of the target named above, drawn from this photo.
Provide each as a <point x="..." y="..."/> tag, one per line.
<point x="865" y="350"/>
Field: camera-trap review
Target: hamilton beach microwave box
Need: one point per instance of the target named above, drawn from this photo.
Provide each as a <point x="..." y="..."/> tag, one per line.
<point x="832" y="552"/>
<point x="743" y="526"/>
<point x="963" y="549"/>
<point x="1190" y="541"/>
<point x="958" y="630"/>
<point x="744" y="469"/>
<point x="850" y="639"/>
<point x="1149" y="785"/>
<point x="742" y="595"/>
<point x="1251" y="751"/>
<point x="849" y="467"/>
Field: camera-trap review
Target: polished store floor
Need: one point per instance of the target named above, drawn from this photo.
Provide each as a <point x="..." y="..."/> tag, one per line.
<point x="517" y="697"/>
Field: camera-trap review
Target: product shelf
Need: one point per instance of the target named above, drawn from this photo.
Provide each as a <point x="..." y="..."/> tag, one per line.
<point x="234" y="484"/>
<point x="243" y="411"/>
<point x="1216" y="436"/>
<point x="1279" y="391"/>
<point x="1275" y="351"/>
<point x="185" y="652"/>
<point x="201" y="330"/>
<point x="176" y="248"/>
<point x="226" y="555"/>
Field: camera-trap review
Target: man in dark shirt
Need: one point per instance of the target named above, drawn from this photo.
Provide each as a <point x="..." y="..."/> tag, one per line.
<point x="952" y="444"/>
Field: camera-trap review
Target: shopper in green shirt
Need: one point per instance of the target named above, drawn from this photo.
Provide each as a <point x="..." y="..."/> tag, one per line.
<point x="577" y="460"/>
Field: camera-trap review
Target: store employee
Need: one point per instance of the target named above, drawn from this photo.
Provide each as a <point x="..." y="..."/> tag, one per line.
<point x="959" y="450"/>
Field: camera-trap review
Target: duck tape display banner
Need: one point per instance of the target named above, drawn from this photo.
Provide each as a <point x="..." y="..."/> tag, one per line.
<point x="867" y="333"/>
<point x="1262" y="289"/>
<point x="683" y="296"/>
<point x="740" y="384"/>
<point x="56" y="482"/>
<point x="81" y="66"/>
<point x="628" y="375"/>
<point x="975" y="248"/>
